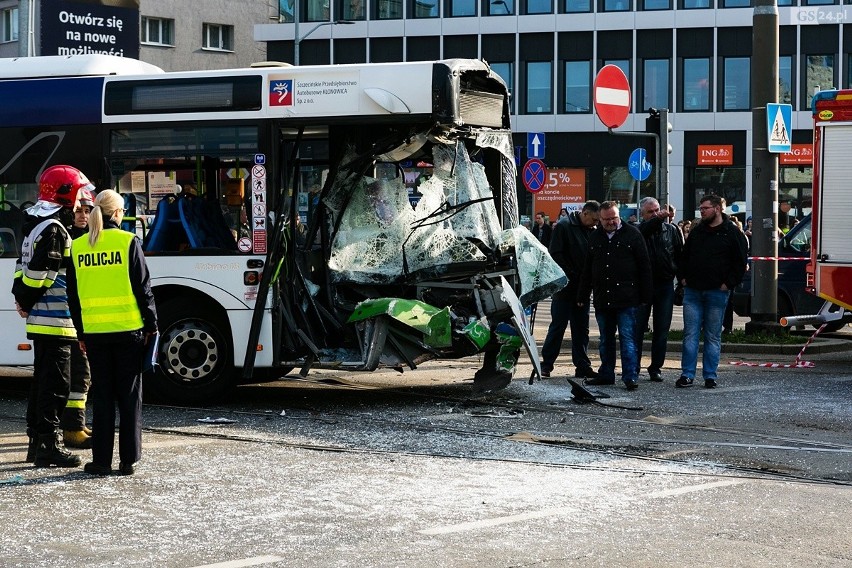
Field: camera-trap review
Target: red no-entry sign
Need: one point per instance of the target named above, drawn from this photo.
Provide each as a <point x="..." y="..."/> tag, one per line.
<point x="612" y="96"/>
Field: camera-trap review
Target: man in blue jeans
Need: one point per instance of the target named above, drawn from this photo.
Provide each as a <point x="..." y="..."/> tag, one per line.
<point x="618" y="270"/>
<point x="714" y="262"/>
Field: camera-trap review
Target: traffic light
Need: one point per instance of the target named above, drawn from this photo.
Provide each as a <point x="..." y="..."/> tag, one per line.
<point x="658" y="123"/>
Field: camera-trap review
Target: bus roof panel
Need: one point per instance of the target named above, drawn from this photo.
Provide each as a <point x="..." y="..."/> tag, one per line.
<point x="73" y="66"/>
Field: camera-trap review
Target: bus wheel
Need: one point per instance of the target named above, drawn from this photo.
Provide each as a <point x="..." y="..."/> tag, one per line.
<point x="194" y="356"/>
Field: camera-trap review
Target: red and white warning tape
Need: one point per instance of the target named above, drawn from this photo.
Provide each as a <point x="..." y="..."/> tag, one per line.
<point x="796" y="364"/>
<point x="779" y="258"/>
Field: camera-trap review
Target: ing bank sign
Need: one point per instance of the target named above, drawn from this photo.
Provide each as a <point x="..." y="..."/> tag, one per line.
<point x="78" y="27"/>
<point x="715" y="155"/>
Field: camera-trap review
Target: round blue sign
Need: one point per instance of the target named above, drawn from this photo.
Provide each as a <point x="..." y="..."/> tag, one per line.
<point x="638" y="164"/>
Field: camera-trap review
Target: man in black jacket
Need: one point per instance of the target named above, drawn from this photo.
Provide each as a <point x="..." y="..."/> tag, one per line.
<point x="542" y="229"/>
<point x="665" y="247"/>
<point x="714" y="262"/>
<point x="569" y="245"/>
<point x="618" y="271"/>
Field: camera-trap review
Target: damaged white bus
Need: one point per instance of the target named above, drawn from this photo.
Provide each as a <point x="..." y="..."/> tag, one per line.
<point x="348" y="217"/>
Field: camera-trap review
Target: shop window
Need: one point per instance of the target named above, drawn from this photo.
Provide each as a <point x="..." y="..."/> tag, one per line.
<point x="539" y="87"/>
<point x="696" y="84"/>
<point x="736" y="83"/>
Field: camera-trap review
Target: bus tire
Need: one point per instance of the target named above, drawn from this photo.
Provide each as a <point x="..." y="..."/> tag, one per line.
<point x="195" y="353"/>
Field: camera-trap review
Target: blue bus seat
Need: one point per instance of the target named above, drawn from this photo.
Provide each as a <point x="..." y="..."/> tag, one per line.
<point x="205" y="224"/>
<point x="166" y="232"/>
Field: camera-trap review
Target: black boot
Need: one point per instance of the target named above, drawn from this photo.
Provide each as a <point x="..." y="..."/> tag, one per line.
<point x="50" y="451"/>
<point x="31" y="449"/>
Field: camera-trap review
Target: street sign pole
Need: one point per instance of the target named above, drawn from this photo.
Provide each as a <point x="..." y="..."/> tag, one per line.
<point x="764" y="185"/>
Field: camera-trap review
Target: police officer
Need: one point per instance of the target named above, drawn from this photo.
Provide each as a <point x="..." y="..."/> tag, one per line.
<point x="75" y="433"/>
<point x="40" y="296"/>
<point x="109" y="294"/>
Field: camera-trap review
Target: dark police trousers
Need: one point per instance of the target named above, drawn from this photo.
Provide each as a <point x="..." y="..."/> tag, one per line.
<point x="49" y="389"/>
<point x="116" y="382"/>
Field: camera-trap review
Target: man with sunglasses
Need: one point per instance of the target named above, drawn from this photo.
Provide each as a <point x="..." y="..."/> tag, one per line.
<point x="713" y="263"/>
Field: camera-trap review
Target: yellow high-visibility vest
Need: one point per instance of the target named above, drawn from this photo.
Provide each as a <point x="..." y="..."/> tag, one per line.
<point x="103" y="283"/>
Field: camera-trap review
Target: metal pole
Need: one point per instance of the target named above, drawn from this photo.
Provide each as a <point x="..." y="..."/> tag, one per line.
<point x="296" y="39"/>
<point x="764" y="186"/>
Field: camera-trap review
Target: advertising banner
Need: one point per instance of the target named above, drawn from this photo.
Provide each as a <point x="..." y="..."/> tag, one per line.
<point x="564" y="188"/>
<point x="78" y="27"/>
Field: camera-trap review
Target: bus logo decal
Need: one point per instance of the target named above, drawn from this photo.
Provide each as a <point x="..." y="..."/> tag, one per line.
<point x="281" y="93"/>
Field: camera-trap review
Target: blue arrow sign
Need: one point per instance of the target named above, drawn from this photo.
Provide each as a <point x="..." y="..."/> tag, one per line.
<point x="638" y="164"/>
<point x="535" y="145"/>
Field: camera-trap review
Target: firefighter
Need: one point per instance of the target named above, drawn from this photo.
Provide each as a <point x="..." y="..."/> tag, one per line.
<point x="112" y="306"/>
<point x="75" y="433"/>
<point x="40" y="297"/>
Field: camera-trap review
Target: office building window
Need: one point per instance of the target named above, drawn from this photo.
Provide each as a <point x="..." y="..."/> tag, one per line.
<point x="736" y="3"/>
<point x="218" y="36"/>
<point x="317" y="10"/>
<point x="157" y="31"/>
<point x="785" y="79"/>
<point x="9" y="25"/>
<point x="459" y="8"/>
<point x="507" y="73"/>
<point x="655" y="84"/>
<point x="695" y="4"/>
<point x="736" y="83"/>
<point x="820" y="2"/>
<point x="424" y="9"/>
<point x="388" y="9"/>
<point x="786" y="2"/>
<point x="539" y="7"/>
<point x="696" y="84"/>
<point x="352" y="9"/>
<point x="623" y="64"/>
<point x="578" y="79"/>
<point x="539" y="83"/>
<point x="577" y="6"/>
<point x="614" y="5"/>
<point x="650" y="5"/>
<point x="500" y="7"/>
<point x="819" y="75"/>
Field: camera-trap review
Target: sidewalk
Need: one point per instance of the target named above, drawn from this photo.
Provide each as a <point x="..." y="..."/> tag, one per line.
<point x="820" y="345"/>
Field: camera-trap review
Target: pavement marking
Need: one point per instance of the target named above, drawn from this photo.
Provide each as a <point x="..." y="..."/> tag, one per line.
<point x="256" y="561"/>
<point x="694" y="488"/>
<point x="495" y="522"/>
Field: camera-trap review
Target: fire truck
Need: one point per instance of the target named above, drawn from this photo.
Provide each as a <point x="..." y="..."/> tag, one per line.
<point x="829" y="272"/>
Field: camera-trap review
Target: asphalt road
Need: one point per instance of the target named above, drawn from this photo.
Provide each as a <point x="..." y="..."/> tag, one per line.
<point x="410" y="471"/>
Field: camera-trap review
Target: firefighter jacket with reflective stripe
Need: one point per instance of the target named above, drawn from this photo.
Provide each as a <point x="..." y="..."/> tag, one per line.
<point x="40" y="281"/>
<point x="107" y="302"/>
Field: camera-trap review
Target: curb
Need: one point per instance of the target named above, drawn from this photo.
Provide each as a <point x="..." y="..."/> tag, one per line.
<point x="817" y="347"/>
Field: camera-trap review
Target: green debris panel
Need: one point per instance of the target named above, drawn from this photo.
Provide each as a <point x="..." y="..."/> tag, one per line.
<point x="433" y="323"/>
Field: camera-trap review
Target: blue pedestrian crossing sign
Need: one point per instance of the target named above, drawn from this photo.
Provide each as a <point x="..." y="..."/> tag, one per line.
<point x="779" y="120"/>
<point x="535" y="145"/>
<point x="638" y="164"/>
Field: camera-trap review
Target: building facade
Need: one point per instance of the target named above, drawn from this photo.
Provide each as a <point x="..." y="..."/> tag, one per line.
<point x="692" y="57"/>
<point x="174" y="35"/>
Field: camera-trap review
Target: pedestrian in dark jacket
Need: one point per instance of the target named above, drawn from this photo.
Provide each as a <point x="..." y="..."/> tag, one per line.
<point x="664" y="242"/>
<point x="542" y="229"/>
<point x="569" y="245"/>
<point x="714" y="262"/>
<point x="618" y="271"/>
